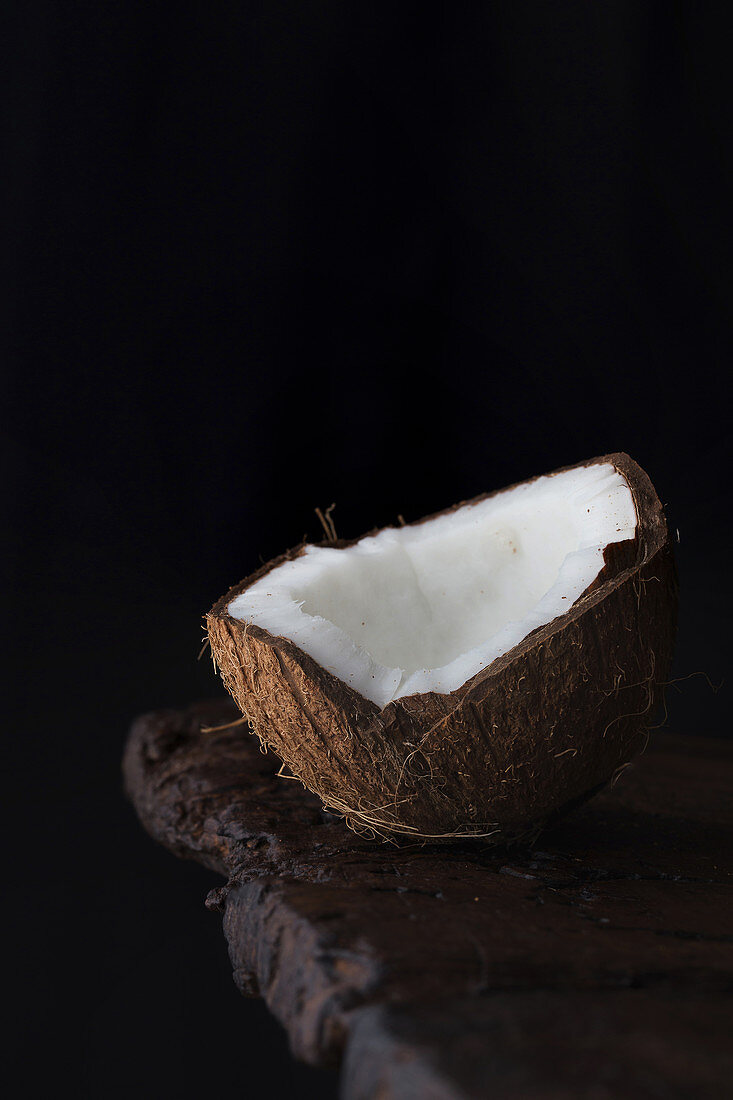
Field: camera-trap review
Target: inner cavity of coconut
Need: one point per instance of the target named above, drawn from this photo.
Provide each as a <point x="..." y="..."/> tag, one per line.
<point x="427" y="606"/>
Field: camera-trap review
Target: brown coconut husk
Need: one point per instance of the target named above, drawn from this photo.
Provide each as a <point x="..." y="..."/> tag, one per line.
<point x="540" y="729"/>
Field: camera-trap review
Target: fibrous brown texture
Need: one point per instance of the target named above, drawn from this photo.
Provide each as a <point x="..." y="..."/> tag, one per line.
<point x="538" y="730"/>
<point x="597" y="966"/>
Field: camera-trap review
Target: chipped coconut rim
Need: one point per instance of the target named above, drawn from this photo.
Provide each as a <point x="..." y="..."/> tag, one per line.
<point x="426" y="607"/>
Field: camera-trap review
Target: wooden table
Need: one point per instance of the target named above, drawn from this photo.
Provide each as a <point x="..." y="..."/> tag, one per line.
<point x="598" y="964"/>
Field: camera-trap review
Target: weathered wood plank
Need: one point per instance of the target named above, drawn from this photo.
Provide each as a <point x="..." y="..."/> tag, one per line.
<point x="598" y="963"/>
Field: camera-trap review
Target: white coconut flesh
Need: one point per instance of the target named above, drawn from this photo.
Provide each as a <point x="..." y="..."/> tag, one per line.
<point x="426" y="607"/>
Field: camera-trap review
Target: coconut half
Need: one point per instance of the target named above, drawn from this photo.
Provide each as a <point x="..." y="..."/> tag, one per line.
<point x="470" y="674"/>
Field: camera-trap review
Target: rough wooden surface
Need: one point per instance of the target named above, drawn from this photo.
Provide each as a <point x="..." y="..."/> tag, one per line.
<point x="598" y="964"/>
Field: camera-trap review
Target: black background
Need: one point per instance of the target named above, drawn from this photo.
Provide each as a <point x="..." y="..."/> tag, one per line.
<point x="272" y="255"/>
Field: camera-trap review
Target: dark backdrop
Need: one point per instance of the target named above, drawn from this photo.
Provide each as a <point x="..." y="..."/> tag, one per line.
<point x="272" y="255"/>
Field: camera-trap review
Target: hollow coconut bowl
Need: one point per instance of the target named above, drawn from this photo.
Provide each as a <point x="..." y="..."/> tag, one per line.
<point x="472" y="674"/>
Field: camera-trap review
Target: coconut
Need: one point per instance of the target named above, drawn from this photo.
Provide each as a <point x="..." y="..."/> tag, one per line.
<point x="471" y="674"/>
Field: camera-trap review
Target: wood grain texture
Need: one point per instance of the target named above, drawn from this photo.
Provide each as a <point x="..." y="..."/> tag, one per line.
<point x="597" y="963"/>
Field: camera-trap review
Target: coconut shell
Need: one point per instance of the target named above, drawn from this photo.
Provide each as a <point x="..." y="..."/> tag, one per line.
<point x="537" y="731"/>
